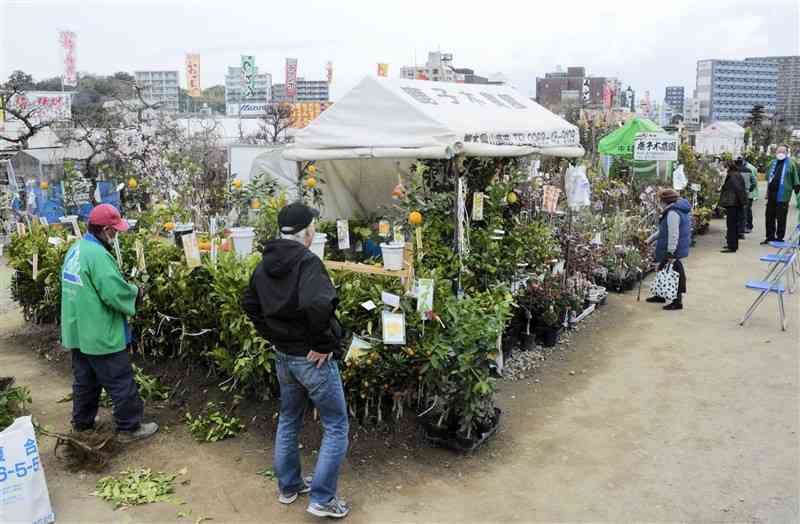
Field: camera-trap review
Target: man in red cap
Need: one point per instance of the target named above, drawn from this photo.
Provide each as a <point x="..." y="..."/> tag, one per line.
<point x="96" y="302"/>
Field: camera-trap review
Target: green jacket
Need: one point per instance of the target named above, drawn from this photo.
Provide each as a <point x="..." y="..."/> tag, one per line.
<point x="753" y="181"/>
<point x="95" y="300"/>
<point x="790" y="180"/>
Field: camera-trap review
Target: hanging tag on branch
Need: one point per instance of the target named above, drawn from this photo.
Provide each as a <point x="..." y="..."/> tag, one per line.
<point x="425" y="287"/>
<point x="343" y="234"/>
<point x="384" y="228"/>
<point x="43" y="221"/>
<point x="21" y="229"/>
<point x="138" y="246"/>
<point x="394" y="328"/>
<point x="118" y="252"/>
<point x="35" y="264"/>
<point x="418" y="234"/>
<point x="191" y="250"/>
<point x="477" y="206"/>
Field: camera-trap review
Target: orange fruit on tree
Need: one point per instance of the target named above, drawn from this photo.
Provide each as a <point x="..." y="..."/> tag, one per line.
<point x="415" y="218"/>
<point x="237" y="184"/>
<point x="255" y="203"/>
<point x="133" y="183"/>
<point x="44" y="184"/>
<point x="512" y="197"/>
<point x="311" y="182"/>
<point x="311" y="169"/>
<point x="169" y="226"/>
<point x="204" y="246"/>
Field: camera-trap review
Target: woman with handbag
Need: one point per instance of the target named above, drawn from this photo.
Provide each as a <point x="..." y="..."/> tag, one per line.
<point x="672" y="244"/>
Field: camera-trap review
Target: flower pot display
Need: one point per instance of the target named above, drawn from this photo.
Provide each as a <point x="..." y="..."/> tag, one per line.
<point x="242" y="238"/>
<point x="393" y="254"/>
<point x="547" y="336"/>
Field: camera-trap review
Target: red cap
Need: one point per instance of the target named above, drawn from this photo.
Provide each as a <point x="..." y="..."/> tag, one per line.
<point x="107" y="215"/>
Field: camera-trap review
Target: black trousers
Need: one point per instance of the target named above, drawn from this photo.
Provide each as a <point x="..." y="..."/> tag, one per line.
<point x="749" y="219"/>
<point x="742" y="219"/>
<point x="114" y="373"/>
<point x="776" y="219"/>
<point x="732" y="224"/>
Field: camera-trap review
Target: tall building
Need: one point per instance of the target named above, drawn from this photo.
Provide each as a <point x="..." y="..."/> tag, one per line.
<point x="788" y="103"/>
<point x="307" y="91"/>
<point x="160" y="87"/>
<point x="728" y="89"/>
<point x="575" y="87"/>
<point x="439" y="68"/>
<point x="691" y="113"/>
<point x="236" y="101"/>
<point x="674" y="98"/>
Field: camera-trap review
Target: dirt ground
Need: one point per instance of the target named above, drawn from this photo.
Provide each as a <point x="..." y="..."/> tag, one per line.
<point x="648" y="416"/>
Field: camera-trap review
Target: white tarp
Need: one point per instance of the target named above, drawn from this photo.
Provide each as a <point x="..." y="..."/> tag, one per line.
<point x="385" y="118"/>
<point x="351" y="187"/>
<point x="720" y="137"/>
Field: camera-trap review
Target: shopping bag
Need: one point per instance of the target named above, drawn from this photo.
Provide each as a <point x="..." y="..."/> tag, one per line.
<point x="23" y="489"/>
<point x="665" y="285"/>
<point x="679" y="181"/>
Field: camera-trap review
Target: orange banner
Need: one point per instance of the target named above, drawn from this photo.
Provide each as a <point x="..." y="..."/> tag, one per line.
<point x="193" y="75"/>
<point x="303" y="113"/>
<point x="383" y="69"/>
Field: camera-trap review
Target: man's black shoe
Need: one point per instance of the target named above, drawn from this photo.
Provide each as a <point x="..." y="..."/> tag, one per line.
<point x="741" y="237"/>
<point x="765" y="242"/>
<point x="673" y="307"/>
<point x="728" y="250"/>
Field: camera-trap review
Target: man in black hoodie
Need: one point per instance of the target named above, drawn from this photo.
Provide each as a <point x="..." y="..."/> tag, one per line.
<point x="292" y="302"/>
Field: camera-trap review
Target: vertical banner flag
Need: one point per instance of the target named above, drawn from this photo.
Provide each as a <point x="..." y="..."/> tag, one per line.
<point x="607" y="94"/>
<point x="66" y="40"/>
<point x="329" y="71"/>
<point x="383" y="69"/>
<point x="193" y="75"/>
<point x="587" y="91"/>
<point x="291" y="78"/>
<point x="248" y="76"/>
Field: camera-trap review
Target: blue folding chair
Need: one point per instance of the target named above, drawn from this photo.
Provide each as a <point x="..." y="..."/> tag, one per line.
<point x="783" y="256"/>
<point x="771" y="285"/>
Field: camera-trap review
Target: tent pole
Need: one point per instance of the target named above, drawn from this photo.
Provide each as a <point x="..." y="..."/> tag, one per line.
<point x="299" y="180"/>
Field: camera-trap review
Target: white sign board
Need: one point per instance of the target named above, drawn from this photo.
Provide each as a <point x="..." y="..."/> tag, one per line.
<point x="247" y="109"/>
<point x="655" y="146"/>
<point x="43" y="106"/>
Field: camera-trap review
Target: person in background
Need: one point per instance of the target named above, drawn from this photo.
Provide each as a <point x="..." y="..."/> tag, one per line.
<point x="292" y="303"/>
<point x="752" y="196"/>
<point x="782" y="178"/>
<point x="95" y="303"/>
<point x="673" y="239"/>
<point x="741" y="165"/>
<point x="732" y="197"/>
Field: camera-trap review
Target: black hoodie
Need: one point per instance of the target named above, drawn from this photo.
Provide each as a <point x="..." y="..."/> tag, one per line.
<point x="292" y="302"/>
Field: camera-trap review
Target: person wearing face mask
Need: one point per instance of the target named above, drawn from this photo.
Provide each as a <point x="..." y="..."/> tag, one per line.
<point x="673" y="239"/>
<point x="95" y="304"/>
<point x="782" y="179"/>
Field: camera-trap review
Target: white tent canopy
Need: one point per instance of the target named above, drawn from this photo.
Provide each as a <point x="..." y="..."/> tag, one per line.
<point x="720" y="137"/>
<point x="383" y="118"/>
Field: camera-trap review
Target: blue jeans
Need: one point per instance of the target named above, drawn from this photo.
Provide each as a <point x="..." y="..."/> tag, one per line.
<point x="300" y="380"/>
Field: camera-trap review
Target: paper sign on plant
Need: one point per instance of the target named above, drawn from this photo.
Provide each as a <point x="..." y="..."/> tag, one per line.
<point x="43" y="221"/>
<point x="140" y="263"/>
<point x="418" y="235"/>
<point x="477" y="207"/>
<point x="394" y="328"/>
<point x="35" y="264"/>
<point x="398" y="234"/>
<point x="425" y="287"/>
<point x="21" y="229"/>
<point x="191" y="250"/>
<point x="390" y="299"/>
<point x="343" y="234"/>
<point x="384" y="228"/>
<point x="358" y="348"/>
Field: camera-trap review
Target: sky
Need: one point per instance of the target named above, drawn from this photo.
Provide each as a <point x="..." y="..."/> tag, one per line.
<point x="646" y="44"/>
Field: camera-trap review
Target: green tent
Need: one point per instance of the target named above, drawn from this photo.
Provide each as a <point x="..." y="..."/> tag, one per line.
<point x="620" y="142"/>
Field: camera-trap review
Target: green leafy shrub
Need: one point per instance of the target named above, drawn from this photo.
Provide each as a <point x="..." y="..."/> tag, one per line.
<point x="214" y="424"/>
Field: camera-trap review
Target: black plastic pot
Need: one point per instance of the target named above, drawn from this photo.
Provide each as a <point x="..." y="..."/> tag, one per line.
<point x="548" y="336"/>
<point x="466" y="445"/>
<point x="528" y="342"/>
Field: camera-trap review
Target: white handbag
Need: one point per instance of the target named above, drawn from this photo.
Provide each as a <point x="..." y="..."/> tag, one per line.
<point x="665" y="285"/>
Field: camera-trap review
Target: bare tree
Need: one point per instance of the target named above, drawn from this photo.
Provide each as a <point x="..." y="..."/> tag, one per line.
<point x="31" y="124"/>
<point x="275" y="123"/>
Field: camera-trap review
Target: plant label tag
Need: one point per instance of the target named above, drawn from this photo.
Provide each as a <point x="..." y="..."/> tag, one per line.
<point x="212" y="227"/>
<point x="695" y="187"/>
<point x="384" y="228"/>
<point x="558" y="268"/>
<point x="76" y="230"/>
<point x="359" y="246"/>
<point x="390" y="299"/>
<point x="425" y="287"/>
<point x="117" y="251"/>
<point x="21" y="229"/>
<point x="418" y="235"/>
<point x="191" y="250"/>
<point x="343" y="234"/>
<point x="369" y="305"/>
<point x="140" y="263"/>
<point x="43" y="221"/>
<point x="55" y="241"/>
<point x="35" y="264"/>
<point x="398" y="234"/>
<point x="394" y="328"/>
<point x="477" y="206"/>
<point x="597" y="240"/>
<point x="214" y="252"/>
<point x="358" y="348"/>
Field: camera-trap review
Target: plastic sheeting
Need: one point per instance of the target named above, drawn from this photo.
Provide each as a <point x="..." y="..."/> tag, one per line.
<point x="577" y="187"/>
